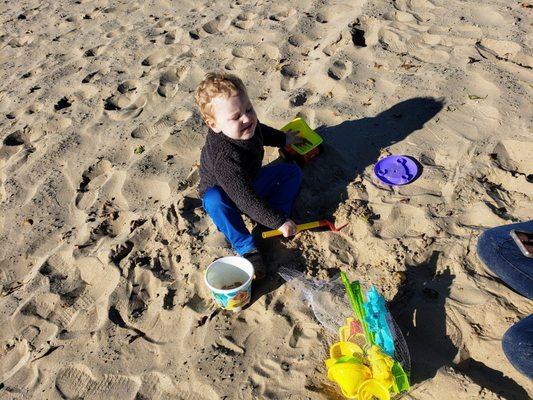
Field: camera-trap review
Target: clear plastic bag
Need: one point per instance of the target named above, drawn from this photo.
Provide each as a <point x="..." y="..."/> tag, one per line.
<point x="331" y="307"/>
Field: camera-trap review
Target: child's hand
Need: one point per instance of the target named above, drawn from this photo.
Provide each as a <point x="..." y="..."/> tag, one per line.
<point x="293" y="138"/>
<point x="288" y="228"/>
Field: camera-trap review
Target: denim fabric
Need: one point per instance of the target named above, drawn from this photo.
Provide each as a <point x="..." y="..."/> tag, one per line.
<point x="517" y="344"/>
<point x="277" y="185"/>
<point x="503" y="257"/>
<point x="497" y="249"/>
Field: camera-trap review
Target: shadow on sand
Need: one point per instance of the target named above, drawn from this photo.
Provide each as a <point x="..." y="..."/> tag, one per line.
<point x="419" y="306"/>
<point x="352" y="146"/>
<point x="348" y="149"/>
<point x="419" y="310"/>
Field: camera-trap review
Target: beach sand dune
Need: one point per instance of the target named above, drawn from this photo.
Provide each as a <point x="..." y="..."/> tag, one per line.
<point x="104" y="239"/>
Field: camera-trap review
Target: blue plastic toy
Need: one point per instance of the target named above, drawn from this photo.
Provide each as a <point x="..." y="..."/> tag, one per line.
<point x="375" y="317"/>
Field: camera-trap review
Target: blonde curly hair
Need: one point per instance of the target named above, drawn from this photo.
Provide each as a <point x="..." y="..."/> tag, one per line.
<point x="216" y="84"/>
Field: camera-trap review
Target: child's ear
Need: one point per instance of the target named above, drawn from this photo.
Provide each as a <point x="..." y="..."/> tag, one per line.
<point x="214" y="127"/>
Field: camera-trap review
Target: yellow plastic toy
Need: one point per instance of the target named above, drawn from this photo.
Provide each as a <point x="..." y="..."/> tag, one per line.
<point x="349" y="376"/>
<point x="372" y="388"/>
<point x="356" y="380"/>
<point x="381" y="366"/>
<point x="359" y="366"/>
<point x="300" y="126"/>
<point x="341" y="349"/>
<point x="342" y="352"/>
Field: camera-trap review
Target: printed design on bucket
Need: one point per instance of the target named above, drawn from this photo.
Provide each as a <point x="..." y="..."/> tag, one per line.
<point x="230" y="282"/>
<point x="232" y="300"/>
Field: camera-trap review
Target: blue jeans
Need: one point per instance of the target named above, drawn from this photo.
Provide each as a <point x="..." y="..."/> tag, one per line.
<point x="497" y="249"/>
<point x="277" y="184"/>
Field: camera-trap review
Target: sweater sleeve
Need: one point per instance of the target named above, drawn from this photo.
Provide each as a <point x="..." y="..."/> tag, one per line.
<point x="238" y="187"/>
<point x="272" y="137"/>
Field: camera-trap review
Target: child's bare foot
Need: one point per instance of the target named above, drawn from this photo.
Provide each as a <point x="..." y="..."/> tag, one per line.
<point x="256" y="259"/>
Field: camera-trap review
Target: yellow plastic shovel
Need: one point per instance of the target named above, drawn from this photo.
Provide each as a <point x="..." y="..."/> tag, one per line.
<point x="303" y="227"/>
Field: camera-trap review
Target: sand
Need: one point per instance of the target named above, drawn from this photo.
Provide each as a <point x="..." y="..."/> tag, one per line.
<point x="104" y="240"/>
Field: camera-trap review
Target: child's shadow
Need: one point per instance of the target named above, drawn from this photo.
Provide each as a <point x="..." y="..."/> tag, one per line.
<point x="348" y="149"/>
<point x="352" y="146"/>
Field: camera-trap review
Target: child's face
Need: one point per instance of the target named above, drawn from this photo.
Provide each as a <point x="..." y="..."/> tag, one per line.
<point x="234" y="116"/>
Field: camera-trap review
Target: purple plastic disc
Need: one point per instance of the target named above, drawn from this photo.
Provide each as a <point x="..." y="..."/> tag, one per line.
<point x="396" y="170"/>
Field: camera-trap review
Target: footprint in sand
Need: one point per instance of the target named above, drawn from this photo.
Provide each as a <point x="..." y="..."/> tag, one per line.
<point x="414" y="5"/>
<point x="269" y="375"/>
<point x="281" y="15"/>
<point x="479" y="215"/>
<point x="421" y="50"/>
<point x="245" y="20"/>
<point x="93" y="76"/>
<point x="79" y="287"/>
<point x="146" y="193"/>
<point x="144" y="131"/>
<point x="303" y="335"/>
<point x="340" y="41"/>
<point x="132" y="86"/>
<point x="23" y="382"/>
<point x="514" y="155"/>
<point x="403" y="220"/>
<point x="155" y="386"/>
<point x="155" y="58"/>
<point x="34" y="328"/>
<point x="149" y="306"/>
<point x="422" y="47"/>
<point x="294" y="75"/>
<point x="301" y="41"/>
<point x="243" y="55"/>
<point x="249" y="52"/>
<point x="302" y="96"/>
<point x="504" y="50"/>
<point x="92" y="180"/>
<point x="158" y="386"/>
<point x="217" y="25"/>
<point x="20" y="40"/>
<point x="340" y="69"/>
<point x="124" y="107"/>
<point x="13" y="356"/>
<point x="236" y="64"/>
<point x="117" y="32"/>
<point x="400" y="16"/>
<point x="95" y="51"/>
<point x="170" y="78"/>
<point x="488" y="16"/>
<point x="5" y="101"/>
<point x="157" y="324"/>
<point x="15" y="139"/>
<point x="270" y="51"/>
<point x="77" y="382"/>
<point x="174" y="35"/>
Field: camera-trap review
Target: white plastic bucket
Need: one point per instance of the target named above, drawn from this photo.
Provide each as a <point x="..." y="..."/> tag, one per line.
<point x="230" y="282"/>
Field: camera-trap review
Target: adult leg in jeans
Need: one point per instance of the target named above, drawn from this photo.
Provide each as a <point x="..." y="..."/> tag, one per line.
<point x="502" y="256"/>
<point x="497" y="249"/>
<point x="517" y="344"/>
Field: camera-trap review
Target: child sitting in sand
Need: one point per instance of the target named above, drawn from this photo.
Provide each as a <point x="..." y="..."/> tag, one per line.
<point x="232" y="179"/>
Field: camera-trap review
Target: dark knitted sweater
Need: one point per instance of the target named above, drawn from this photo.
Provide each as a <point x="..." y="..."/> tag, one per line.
<point x="233" y="164"/>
